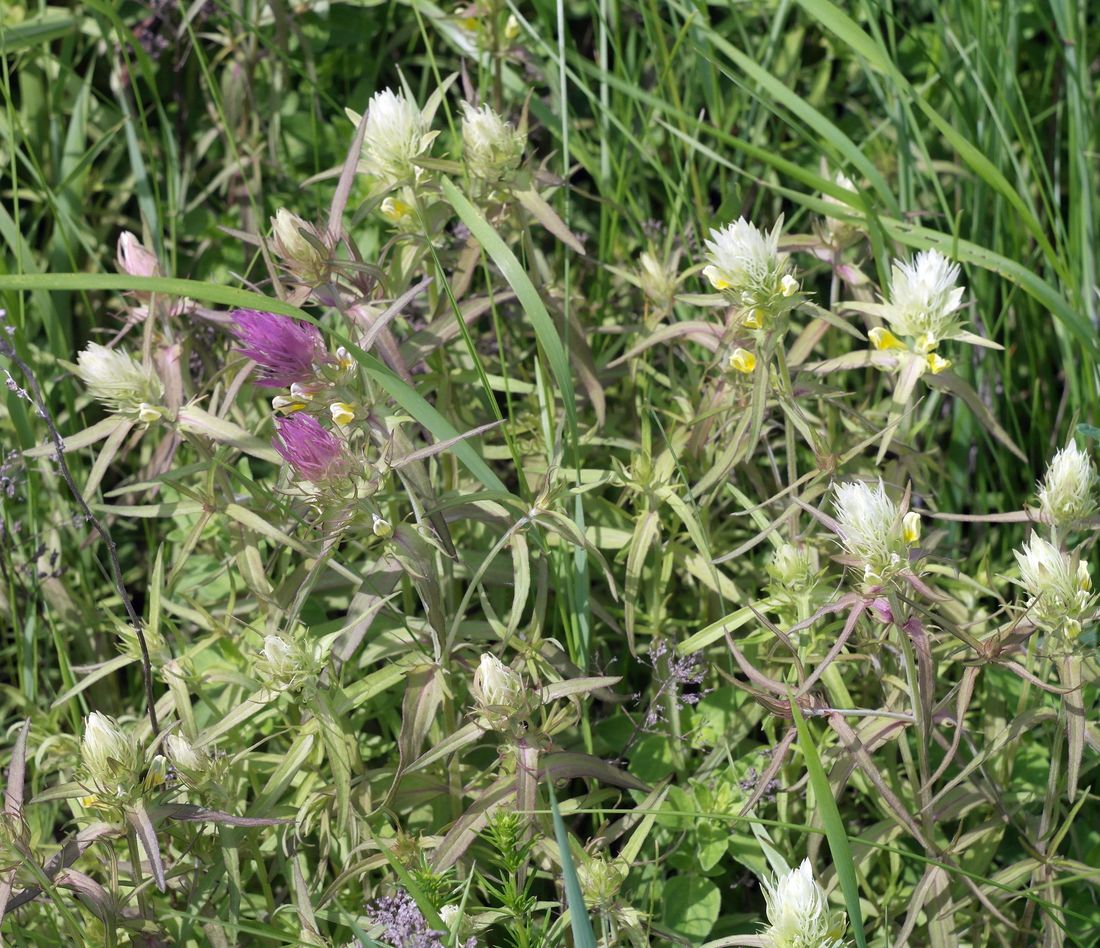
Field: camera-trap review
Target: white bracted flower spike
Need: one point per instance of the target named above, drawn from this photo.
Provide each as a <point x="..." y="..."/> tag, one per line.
<point x="924" y="300"/>
<point x="1066" y="492"/>
<point x="872" y="529"/>
<point x="798" y="914"/>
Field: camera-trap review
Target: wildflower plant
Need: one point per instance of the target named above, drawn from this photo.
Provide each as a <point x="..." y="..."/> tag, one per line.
<point x="463" y="574"/>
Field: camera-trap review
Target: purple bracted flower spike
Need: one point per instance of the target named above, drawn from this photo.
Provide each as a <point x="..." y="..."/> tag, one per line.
<point x="286" y="350"/>
<point x="315" y="454"/>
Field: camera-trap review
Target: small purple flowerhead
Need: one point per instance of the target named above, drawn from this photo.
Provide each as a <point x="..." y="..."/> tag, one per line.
<point x="286" y="350"/>
<point x="316" y="454"/>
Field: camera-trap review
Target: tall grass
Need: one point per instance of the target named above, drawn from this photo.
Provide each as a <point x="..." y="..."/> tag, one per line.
<point x="610" y="526"/>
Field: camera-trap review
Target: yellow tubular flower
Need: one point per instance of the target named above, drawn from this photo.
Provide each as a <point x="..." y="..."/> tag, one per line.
<point x="910" y="527"/>
<point x="342" y="413"/>
<point x="743" y="361"/>
<point x="937" y="363"/>
<point x="884" y="339"/>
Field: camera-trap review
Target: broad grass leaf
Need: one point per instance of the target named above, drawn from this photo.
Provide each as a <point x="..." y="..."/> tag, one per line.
<point x="691" y="906"/>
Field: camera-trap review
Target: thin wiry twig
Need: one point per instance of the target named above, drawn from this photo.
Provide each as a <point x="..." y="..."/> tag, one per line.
<point x="39" y="402"/>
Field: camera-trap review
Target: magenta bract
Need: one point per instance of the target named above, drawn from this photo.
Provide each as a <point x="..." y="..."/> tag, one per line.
<point x="286" y="350"/>
<point x="315" y="454"/>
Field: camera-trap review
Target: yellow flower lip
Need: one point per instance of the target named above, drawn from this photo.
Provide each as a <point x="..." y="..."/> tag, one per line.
<point x="716" y="278"/>
<point x="753" y="319"/>
<point x="395" y="210"/>
<point x="743" y="361"/>
<point x="884" y="339"/>
<point x="936" y="363"/>
<point x="287" y="404"/>
<point x="910" y="527"/>
<point x="342" y="413"/>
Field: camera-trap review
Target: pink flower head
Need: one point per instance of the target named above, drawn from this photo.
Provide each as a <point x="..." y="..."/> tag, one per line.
<point x="315" y="454"/>
<point x="286" y="350"/>
<point x="134" y="259"/>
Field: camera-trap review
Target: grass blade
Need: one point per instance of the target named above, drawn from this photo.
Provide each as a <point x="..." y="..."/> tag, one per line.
<point x="834" y="825"/>
<point x="574" y="899"/>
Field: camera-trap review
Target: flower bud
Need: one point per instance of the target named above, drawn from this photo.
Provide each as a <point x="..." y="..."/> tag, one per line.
<point x="280" y="657"/>
<point x="745" y="264"/>
<point x="286" y="666"/>
<point x="287" y="404"/>
<point x="791" y="566"/>
<point x="299" y="246"/>
<point x="600" y="880"/>
<point x="157" y="773"/>
<point x="111" y="759"/>
<point x="134" y="259"/>
<point x="839" y="233"/>
<point x="1059" y="590"/>
<point x="1066" y="493"/>
<point x="657" y="280"/>
<point x="498" y="692"/>
<point x="924" y="300"/>
<point x="120" y="382"/>
<point x="381" y="528"/>
<point x="492" y="147"/>
<point x="184" y="755"/>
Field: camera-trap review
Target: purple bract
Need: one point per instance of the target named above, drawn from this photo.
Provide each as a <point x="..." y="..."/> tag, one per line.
<point x="315" y="454"/>
<point x="286" y="350"/>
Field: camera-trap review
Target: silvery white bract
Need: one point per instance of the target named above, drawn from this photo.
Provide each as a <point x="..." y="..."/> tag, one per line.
<point x="492" y="147"/>
<point x="394" y="138"/>
<point x="1066" y="493"/>
<point x="798" y="914"/>
<point x="1060" y="590"/>
<point x="872" y="529"/>
<point x="745" y="264"/>
<point x="120" y="382"/>
<point x="924" y="299"/>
